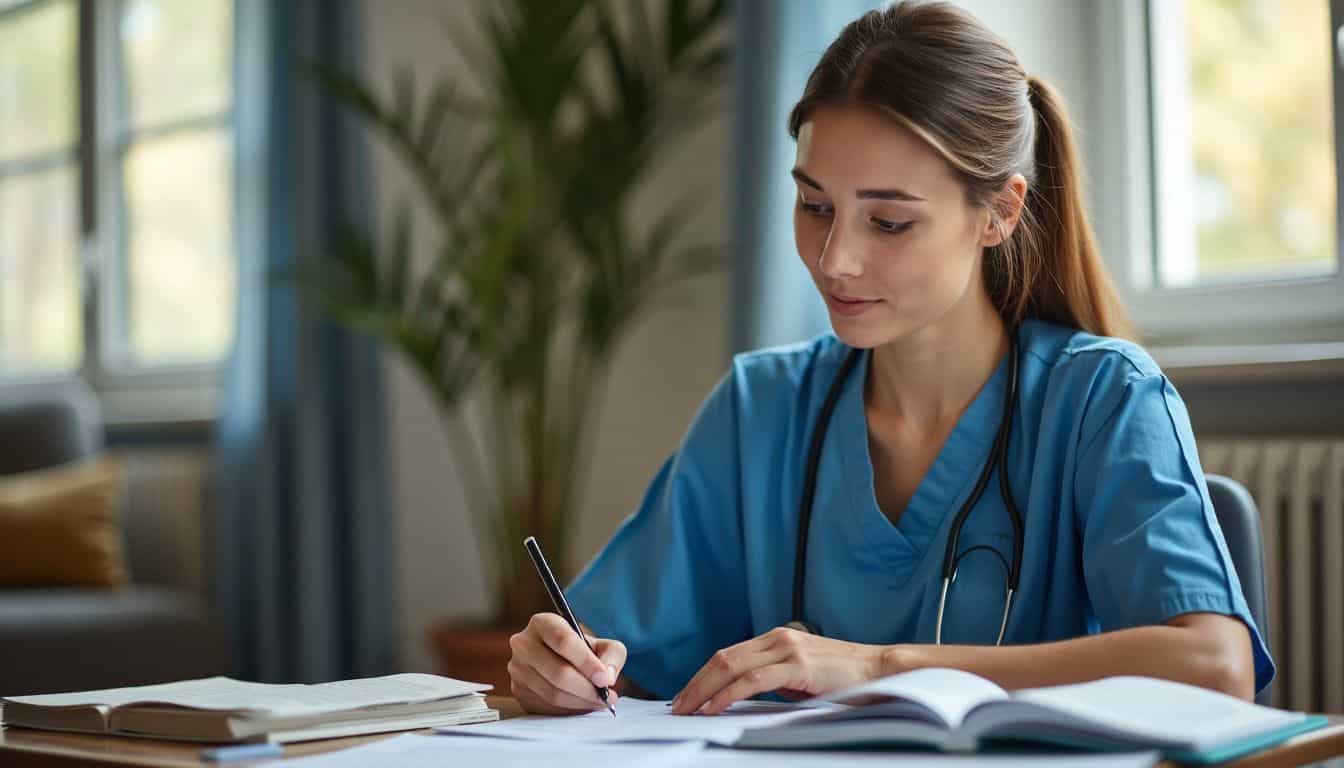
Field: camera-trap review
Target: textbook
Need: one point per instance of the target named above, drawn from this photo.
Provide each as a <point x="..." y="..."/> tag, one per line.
<point x="220" y="709"/>
<point x="956" y="711"/>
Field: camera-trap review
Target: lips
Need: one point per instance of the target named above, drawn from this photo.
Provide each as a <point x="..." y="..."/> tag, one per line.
<point x="849" y="306"/>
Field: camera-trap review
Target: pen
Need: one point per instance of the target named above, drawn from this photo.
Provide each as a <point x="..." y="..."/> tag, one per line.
<point x="561" y="604"/>
<point x="241" y="752"/>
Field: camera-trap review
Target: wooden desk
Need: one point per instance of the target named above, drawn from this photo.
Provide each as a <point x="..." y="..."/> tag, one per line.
<point x="24" y="748"/>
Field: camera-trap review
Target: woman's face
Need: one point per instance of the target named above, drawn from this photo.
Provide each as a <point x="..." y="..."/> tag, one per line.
<point x="883" y="226"/>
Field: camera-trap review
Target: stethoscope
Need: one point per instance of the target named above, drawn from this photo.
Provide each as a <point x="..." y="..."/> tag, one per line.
<point x="998" y="457"/>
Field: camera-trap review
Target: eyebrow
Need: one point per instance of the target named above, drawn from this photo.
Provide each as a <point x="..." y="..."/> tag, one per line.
<point x="862" y="194"/>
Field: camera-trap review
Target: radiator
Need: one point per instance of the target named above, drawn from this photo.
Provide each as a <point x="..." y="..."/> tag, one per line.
<point x="1298" y="484"/>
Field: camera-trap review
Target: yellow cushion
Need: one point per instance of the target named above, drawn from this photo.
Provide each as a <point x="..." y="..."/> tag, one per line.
<point x="61" y="526"/>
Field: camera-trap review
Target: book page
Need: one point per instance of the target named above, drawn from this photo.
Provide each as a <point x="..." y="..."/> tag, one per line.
<point x="948" y="693"/>
<point x="228" y="695"/>
<point x="1162" y="710"/>
<point x="111" y="697"/>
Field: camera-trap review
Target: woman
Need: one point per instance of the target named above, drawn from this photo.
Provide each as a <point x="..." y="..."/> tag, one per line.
<point x="939" y="212"/>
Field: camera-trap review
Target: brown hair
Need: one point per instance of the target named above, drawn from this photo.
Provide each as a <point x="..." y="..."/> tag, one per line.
<point x="939" y="72"/>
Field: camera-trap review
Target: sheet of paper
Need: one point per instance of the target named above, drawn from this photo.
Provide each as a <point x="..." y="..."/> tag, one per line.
<point x="222" y="693"/>
<point x="638" y="720"/>
<point x="411" y="751"/>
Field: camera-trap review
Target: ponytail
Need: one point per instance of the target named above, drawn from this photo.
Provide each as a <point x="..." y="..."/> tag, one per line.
<point x="1062" y="279"/>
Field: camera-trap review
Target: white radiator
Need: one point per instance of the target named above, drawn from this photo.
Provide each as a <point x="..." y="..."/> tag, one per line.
<point x="1298" y="484"/>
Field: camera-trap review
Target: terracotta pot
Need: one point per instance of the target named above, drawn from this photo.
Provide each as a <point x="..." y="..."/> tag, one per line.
<point x="475" y="653"/>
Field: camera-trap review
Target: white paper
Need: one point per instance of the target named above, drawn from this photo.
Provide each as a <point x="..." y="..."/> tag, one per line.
<point x="411" y="751"/>
<point x="438" y="751"/>
<point x="638" y="720"/>
<point x="226" y="694"/>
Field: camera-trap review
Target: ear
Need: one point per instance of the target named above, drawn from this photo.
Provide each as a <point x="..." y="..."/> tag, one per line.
<point x="1006" y="211"/>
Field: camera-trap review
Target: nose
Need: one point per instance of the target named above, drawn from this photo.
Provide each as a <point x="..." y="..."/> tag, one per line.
<point x="840" y="256"/>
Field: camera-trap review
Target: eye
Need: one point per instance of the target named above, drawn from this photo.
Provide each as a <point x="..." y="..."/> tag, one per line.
<point x="891" y="227"/>
<point x="820" y="210"/>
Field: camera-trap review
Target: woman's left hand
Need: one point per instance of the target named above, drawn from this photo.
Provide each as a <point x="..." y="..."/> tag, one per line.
<point x="794" y="663"/>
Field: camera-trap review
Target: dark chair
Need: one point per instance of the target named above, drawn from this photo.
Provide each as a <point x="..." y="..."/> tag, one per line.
<point x="1240" y="521"/>
<point x="70" y="638"/>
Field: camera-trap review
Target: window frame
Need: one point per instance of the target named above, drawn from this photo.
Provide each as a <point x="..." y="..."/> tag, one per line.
<point x="1302" y="311"/>
<point x="129" y="394"/>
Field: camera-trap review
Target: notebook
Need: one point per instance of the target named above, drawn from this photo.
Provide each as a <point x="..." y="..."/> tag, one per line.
<point x="956" y="711"/>
<point x="220" y="709"/>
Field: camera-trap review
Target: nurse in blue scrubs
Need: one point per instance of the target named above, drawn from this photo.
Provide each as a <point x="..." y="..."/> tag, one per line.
<point x="939" y="212"/>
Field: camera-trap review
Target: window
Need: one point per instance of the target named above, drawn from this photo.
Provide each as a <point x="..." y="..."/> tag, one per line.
<point x="116" y="189"/>
<point x="40" y="326"/>
<point x="1222" y="144"/>
<point x="1244" y="141"/>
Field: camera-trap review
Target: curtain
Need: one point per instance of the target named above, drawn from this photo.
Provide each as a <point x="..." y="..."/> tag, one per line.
<point x="302" y="555"/>
<point x="778" y="44"/>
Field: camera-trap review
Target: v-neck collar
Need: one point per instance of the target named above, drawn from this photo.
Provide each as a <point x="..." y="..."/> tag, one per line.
<point x="902" y="547"/>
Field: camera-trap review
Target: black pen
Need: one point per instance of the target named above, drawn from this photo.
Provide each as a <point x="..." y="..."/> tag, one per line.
<point x="561" y="604"/>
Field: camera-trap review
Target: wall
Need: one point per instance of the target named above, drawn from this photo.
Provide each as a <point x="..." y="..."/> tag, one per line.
<point x="660" y="375"/>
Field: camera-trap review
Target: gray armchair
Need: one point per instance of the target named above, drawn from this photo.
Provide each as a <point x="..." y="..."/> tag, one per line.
<point x="71" y="638"/>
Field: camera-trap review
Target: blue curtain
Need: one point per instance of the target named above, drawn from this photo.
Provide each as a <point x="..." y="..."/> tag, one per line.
<point x="302" y="562"/>
<point x="778" y="44"/>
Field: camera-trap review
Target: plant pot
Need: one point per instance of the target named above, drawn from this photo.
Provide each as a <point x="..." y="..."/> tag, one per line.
<point x="475" y="653"/>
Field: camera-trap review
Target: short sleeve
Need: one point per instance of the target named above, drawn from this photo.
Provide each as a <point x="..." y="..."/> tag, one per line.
<point x="1152" y="547"/>
<point x="670" y="584"/>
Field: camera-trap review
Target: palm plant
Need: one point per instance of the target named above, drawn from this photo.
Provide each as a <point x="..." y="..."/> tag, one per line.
<point x="537" y="271"/>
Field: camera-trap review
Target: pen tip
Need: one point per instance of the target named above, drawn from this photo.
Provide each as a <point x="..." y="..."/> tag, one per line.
<point x="612" y="709"/>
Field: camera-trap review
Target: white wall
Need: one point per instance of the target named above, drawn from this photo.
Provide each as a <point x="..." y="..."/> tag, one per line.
<point x="1054" y="39"/>
<point x="660" y="375"/>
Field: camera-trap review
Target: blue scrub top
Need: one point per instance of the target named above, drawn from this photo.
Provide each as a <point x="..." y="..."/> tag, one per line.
<point x="1119" y="529"/>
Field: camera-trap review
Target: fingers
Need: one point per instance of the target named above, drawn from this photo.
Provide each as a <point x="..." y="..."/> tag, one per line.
<point x="538" y="696"/>
<point x="722" y="669"/>
<point x="776" y="659"/>
<point x="748" y="684"/>
<point x="544" y="669"/>
<point x="533" y="654"/>
<point x="612" y="654"/>
<point x="561" y="638"/>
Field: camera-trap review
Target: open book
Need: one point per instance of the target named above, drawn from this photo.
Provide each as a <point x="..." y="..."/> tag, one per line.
<point x="952" y="710"/>
<point x="221" y="709"/>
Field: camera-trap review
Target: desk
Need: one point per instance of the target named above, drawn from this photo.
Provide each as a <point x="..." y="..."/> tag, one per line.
<point x="23" y="748"/>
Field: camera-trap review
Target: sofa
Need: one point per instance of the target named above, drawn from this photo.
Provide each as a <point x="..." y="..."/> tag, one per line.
<point x="64" y="638"/>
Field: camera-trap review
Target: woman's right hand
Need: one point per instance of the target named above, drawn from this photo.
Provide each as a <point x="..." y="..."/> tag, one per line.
<point x="553" y="673"/>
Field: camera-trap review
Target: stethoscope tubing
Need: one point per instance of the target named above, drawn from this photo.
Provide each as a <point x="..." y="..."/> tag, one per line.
<point x="998" y="459"/>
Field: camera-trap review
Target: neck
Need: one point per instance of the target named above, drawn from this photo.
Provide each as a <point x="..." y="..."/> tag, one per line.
<point x="928" y="378"/>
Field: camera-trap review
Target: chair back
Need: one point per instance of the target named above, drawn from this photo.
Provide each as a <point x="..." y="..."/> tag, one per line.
<point x="1240" y="521"/>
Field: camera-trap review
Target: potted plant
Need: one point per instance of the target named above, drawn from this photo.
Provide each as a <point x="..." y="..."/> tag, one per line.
<point x="537" y="271"/>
